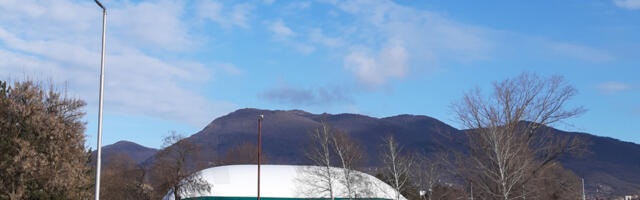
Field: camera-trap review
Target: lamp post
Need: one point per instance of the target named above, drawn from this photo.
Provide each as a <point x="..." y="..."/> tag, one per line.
<point x="260" y="117"/>
<point x="99" y="156"/>
<point x="584" y="197"/>
<point x="471" y="191"/>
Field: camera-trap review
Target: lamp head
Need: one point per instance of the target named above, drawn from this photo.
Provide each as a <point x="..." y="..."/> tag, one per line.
<point x="260" y="117"/>
<point x="100" y="4"/>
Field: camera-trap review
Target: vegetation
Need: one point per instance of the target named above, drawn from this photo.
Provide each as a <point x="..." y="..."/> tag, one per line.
<point x="338" y="155"/>
<point x="123" y="178"/>
<point x="396" y="165"/>
<point x="509" y="152"/>
<point x="42" y="154"/>
<point x="174" y="169"/>
<point x="508" y="144"/>
<point x="245" y="153"/>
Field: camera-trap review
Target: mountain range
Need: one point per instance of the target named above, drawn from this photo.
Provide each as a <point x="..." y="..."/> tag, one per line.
<point x="136" y="152"/>
<point x="609" y="166"/>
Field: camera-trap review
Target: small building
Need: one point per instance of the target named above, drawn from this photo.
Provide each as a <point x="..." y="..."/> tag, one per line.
<point x="239" y="182"/>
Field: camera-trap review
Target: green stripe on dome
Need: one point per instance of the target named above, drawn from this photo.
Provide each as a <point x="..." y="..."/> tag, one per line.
<point x="274" y="198"/>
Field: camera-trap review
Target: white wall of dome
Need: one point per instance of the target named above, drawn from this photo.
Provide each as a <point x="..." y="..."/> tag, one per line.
<point x="284" y="181"/>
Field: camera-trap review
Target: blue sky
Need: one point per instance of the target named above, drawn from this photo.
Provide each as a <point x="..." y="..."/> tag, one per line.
<point x="177" y="65"/>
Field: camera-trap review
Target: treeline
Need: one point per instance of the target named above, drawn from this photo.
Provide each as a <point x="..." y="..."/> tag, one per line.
<point x="508" y="152"/>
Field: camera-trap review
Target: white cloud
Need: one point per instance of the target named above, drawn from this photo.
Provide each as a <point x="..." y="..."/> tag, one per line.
<point x="229" y="68"/>
<point x="426" y="36"/>
<point x="317" y="36"/>
<point x="580" y="52"/>
<point x="62" y="51"/>
<point x="429" y="38"/>
<point x="282" y="33"/>
<point x="612" y="87"/>
<point x="60" y="41"/>
<point x="215" y="11"/>
<point x="18" y="66"/>
<point x="375" y="71"/>
<point x="280" y="30"/>
<point x="240" y="14"/>
<point x="211" y="10"/>
<point x="628" y="4"/>
<point x="135" y="83"/>
<point x="298" y="5"/>
<point x="321" y="96"/>
<point x="303" y="48"/>
<point x="156" y="24"/>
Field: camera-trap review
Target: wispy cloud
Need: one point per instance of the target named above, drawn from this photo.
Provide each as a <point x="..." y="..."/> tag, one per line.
<point x="427" y="39"/>
<point x="240" y="14"/>
<point x="612" y="87"/>
<point x="156" y="24"/>
<point x="215" y="11"/>
<point x="628" y="4"/>
<point x="137" y="82"/>
<point x="580" y="52"/>
<point x="280" y="30"/>
<point x="317" y="36"/>
<point x="410" y="36"/>
<point x="298" y="5"/>
<point x="375" y="70"/>
<point x="285" y="35"/>
<point x="321" y="96"/>
<point x="228" y="68"/>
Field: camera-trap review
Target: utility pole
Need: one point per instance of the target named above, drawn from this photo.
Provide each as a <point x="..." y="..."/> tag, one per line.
<point x="524" y="193"/>
<point x="99" y="155"/>
<point x="471" y="191"/>
<point x="260" y="117"/>
<point x="584" y="197"/>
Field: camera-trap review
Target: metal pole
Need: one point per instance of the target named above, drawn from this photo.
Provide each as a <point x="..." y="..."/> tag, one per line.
<point x="524" y="193"/>
<point x="584" y="197"/>
<point x="260" y="117"/>
<point x="99" y="156"/>
<point x="471" y="191"/>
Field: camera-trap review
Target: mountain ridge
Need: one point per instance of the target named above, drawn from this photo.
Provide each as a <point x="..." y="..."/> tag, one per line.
<point x="135" y="151"/>
<point x="613" y="164"/>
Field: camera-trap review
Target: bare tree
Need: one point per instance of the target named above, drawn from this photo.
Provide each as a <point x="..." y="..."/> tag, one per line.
<point x="508" y="142"/>
<point x="396" y="164"/>
<point x="350" y="158"/>
<point x="174" y="168"/>
<point x="428" y="172"/>
<point x="338" y="157"/>
<point x="554" y="183"/>
<point x="244" y="153"/>
<point x="322" y="180"/>
<point x="42" y="152"/>
<point x="123" y="179"/>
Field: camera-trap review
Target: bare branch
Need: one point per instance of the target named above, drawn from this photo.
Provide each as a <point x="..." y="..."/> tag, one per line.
<point x="508" y="139"/>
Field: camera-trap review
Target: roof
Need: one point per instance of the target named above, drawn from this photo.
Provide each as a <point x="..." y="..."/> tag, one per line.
<point x="284" y="181"/>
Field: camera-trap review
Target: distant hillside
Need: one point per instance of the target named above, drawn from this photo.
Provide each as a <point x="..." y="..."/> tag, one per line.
<point x="137" y="152"/>
<point x="611" y="165"/>
<point x="285" y="133"/>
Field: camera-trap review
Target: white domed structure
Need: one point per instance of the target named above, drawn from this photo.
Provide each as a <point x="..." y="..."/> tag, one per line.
<point x="239" y="182"/>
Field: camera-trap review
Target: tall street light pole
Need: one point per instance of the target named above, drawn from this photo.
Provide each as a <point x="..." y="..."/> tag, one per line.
<point x="584" y="197"/>
<point x="260" y="117"/>
<point x="99" y="156"/>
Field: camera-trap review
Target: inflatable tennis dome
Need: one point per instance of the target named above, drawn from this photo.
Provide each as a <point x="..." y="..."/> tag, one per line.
<point x="286" y="182"/>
